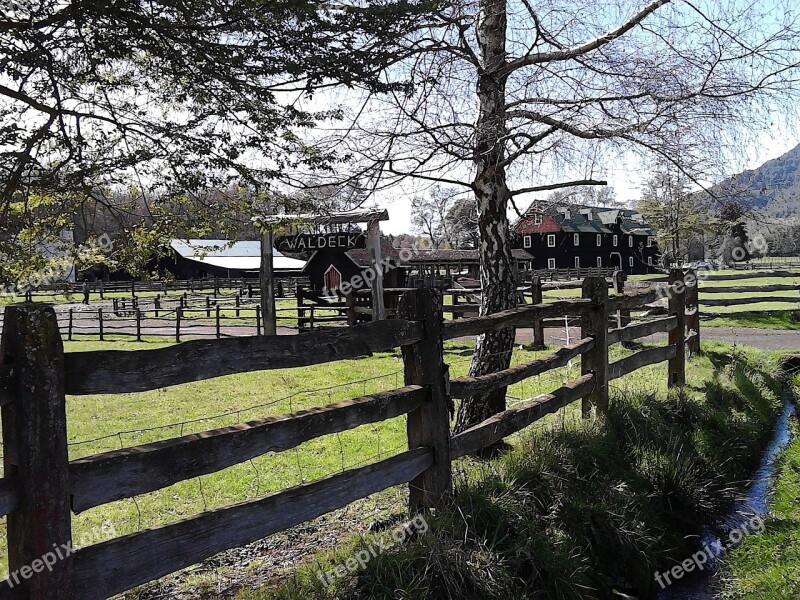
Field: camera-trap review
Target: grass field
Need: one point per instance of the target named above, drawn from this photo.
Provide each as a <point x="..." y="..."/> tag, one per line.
<point x="103" y="423"/>
<point x="580" y="509"/>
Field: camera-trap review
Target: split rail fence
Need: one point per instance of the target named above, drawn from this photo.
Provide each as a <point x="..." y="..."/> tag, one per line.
<point x="42" y="488"/>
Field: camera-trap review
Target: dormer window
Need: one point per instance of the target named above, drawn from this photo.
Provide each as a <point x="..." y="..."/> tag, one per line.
<point x="537" y="219"/>
<point x="587" y="213"/>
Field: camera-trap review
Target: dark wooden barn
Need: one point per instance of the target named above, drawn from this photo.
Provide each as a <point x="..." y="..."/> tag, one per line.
<point x="582" y="237"/>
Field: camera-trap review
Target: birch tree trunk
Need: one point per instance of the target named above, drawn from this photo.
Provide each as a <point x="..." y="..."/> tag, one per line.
<point x="498" y="276"/>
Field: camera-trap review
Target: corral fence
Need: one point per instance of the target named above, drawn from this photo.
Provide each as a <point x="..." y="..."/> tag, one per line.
<point x="42" y="488"/>
<point x="285" y="287"/>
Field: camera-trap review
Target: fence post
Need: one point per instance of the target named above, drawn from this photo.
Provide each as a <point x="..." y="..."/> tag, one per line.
<point x="237" y="299"/>
<point x="100" y="320"/>
<point x="157" y="304"/>
<point x="693" y="303"/>
<point x="208" y="307"/>
<point x="677" y="337"/>
<point x="538" y="327"/>
<point x="35" y="452"/>
<point x="352" y="316"/>
<point x="258" y="320"/>
<point x="69" y="327"/>
<point x="429" y="425"/>
<point x="138" y="325"/>
<point x="178" y="315"/>
<point x="594" y="323"/>
<point x="218" y="330"/>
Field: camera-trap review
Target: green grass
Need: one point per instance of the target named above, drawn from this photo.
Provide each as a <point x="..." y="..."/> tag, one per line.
<point x="580" y="509"/>
<point x="103" y="423"/>
<point x="776" y="319"/>
<point x="767" y="566"/>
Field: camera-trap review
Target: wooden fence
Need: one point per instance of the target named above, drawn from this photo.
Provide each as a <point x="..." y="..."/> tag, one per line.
<point x="284" y="286"/>
<point x="42" y="488"/>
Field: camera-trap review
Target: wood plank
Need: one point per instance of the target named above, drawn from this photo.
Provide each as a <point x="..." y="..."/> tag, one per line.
<point x="641" y="359"/>
<point x="748" y="289"/>
<point x="751" y="300"/>
<point x="35" y="448"/>
<point x="503" y="424"/>
<point x="118" y="371"/>
<point x="594" y="323"/>
<point x="117" y="565"/>
<point x="471" y="386"/>
<point x="9" y="495"/>
<point x="638" y="330"/>
<point x="748" y="275"/>
<point x="522" y="316"/>
<point x="5" y="385"/>
<point x="631" y="301"/>
<point x="429" y="425"/>
<point x="110" y="476"/>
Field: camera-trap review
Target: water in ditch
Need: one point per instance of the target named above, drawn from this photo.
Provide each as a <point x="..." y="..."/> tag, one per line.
<point x="748" y="513"/>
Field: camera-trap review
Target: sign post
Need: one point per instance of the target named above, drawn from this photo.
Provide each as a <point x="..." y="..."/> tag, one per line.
<point x="267" y="284"/>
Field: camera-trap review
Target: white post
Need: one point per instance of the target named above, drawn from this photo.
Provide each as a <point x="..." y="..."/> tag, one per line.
<point x="374" y="249"/>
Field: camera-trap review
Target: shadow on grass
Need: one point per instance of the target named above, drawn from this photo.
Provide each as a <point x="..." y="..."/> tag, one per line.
<point x="590" y="510"/>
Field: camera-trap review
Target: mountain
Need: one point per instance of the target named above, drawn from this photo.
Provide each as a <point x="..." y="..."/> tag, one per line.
<point x="773" y="188"/>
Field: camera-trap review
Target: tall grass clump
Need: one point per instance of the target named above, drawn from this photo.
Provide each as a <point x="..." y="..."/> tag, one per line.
<point x="586" y="510"/>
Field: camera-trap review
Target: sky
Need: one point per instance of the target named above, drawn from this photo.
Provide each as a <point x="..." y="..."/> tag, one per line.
<point x="625" y="175"/>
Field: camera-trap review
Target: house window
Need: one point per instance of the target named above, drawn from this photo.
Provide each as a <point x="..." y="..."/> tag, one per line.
<point x="599" y="261"/>
<point x="650" y="260"/>
<point x="599" y="240"/>
<point x="551" y="241"/>
<point x="551" y="263"/>
<point x="577" y="262"/>
<point x="630" y="261"/>
<point x="333" y="278"/>
<point x="616" y="240"/>
<point x="537" y="219"/>
<point x="576" y="239"/>
<point x="630" y="241"/>
<point x="649" y="242"/>
<point x="526" y="241"/>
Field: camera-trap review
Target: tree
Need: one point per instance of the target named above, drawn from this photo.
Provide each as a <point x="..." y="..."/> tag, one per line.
<point x="446" y="216"/>
<point x="495" y="106"/>
<point x="677" y="215"/>
<point x="584" y="195"/>
<point x="177" y="100"/>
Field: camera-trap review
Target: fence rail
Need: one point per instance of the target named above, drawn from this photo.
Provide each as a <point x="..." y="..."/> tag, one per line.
<point x="46" y="489"/>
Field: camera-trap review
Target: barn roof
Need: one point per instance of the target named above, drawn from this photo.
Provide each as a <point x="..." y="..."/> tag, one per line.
<point x="236" y="255"/>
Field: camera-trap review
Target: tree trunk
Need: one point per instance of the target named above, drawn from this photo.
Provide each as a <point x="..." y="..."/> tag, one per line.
<point x="498" y="276"/>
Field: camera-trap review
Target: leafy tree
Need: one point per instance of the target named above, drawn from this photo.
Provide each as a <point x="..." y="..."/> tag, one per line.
<point x="177" y="98"/>
<point x="677" y="215"/>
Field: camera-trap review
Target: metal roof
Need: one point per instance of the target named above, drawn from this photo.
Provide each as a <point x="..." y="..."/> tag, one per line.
<point x="227" y="254"/>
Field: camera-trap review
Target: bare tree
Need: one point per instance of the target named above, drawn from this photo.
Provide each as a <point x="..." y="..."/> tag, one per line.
<point x="510" y="93"/>
<point x="443" y="216"/>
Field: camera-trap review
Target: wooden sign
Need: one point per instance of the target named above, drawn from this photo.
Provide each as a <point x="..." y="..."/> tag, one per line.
<point x="305" y="242"/>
